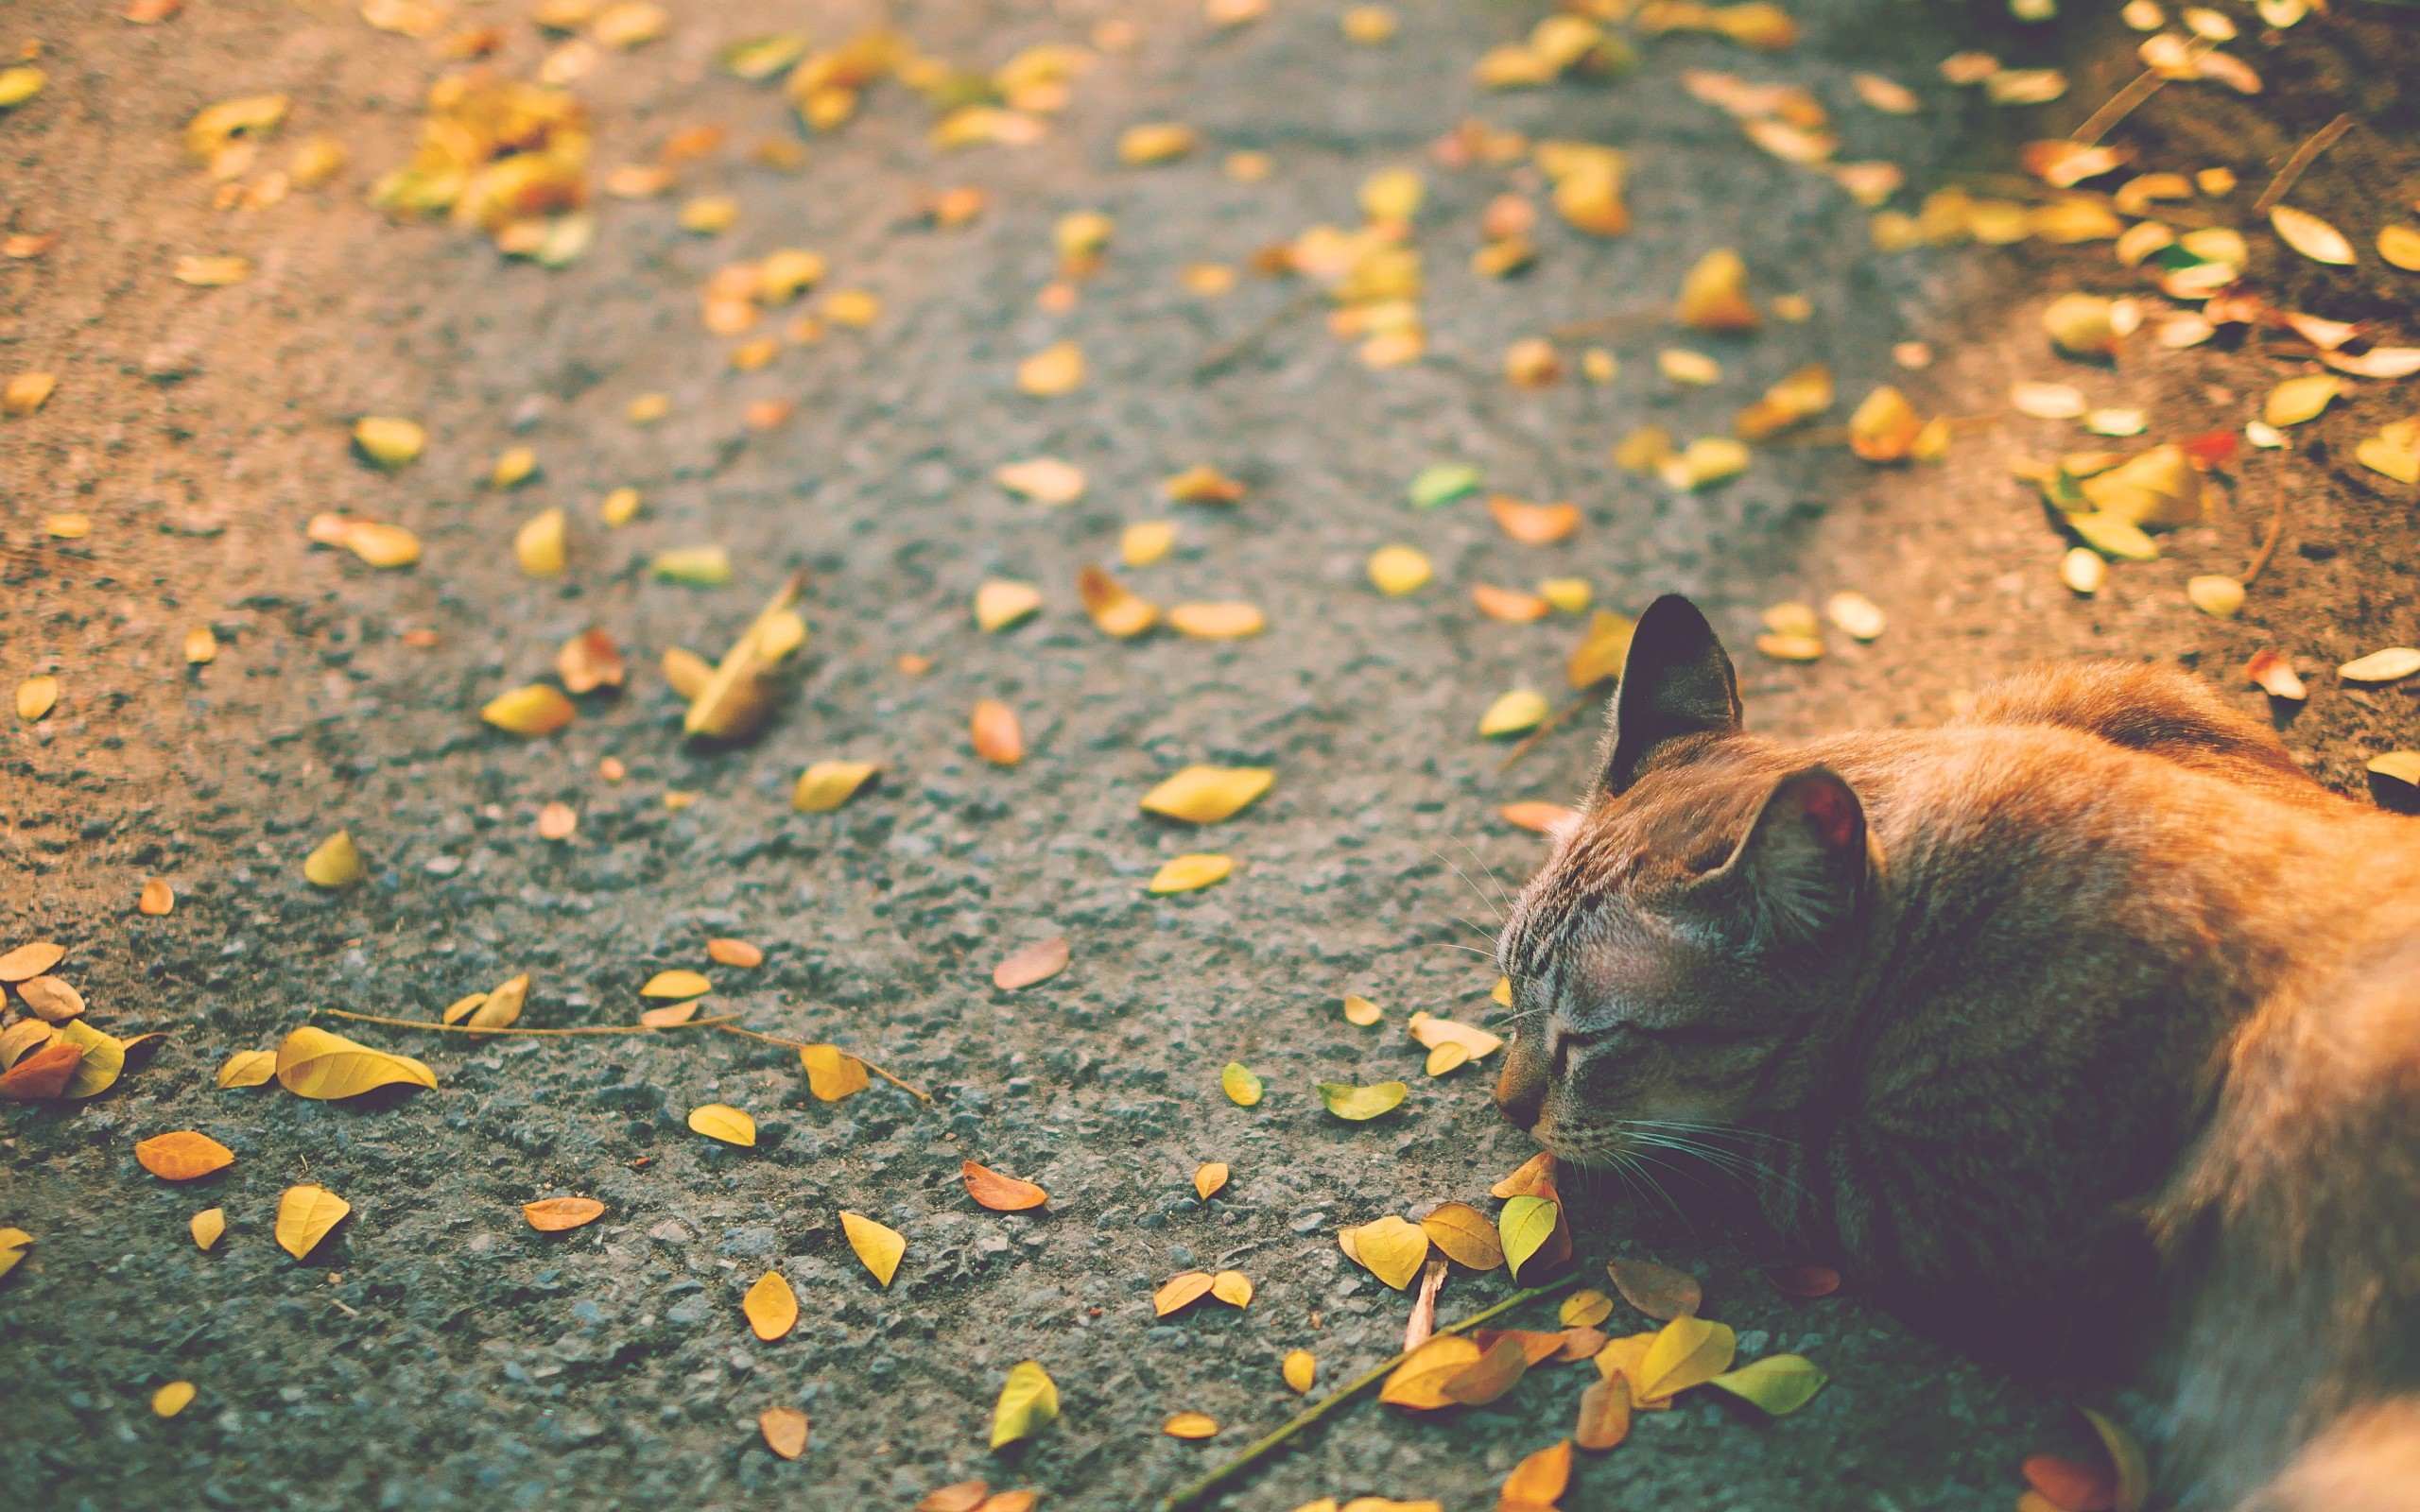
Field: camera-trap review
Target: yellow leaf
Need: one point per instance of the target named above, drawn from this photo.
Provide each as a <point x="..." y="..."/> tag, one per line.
<point x="248" y="1068"/>
<point x="618" y="508"/>
<point x="1885" y="426"/>
<point x="2400" y="247"/>
<point x="314" y="1063"/>
<point x="1208" y="1178"/>
<point x="182" y="1155"/>
<point x="1190" y="1425"/>
<point x="771" y="1306"/>
<point x="1300" y="1370"/>
<point x="213" y="272"/>
<point x="1399" y="569"/>
<point x="388" y="441"/>
<point x="172" y="1398"/>
<point x="540" y="547"/>
<point x="1205" y="795"/>
<point x="1586" y="1308"/>
<point x="2126" y="1455"/>
<point x="26" y="392"/>
<point x="676" y="984"/>
<point x="1538" y="1481"/>
<point x="1779" y="1384"/>
<point x="832" y="1074"/>
<point x="697" y="566"/>
<point x="1043" y="479"/>
<point x="501" y="1005"/>
<point x="1362" y="1012"/>
<point x="825" y="785"/>
<point x="1241" y="1086"/>
<point x="1156" y="142"/>
<point x="1689" y="1351"/>
<point x="1117" y="610"/>
<point x="1201" y="484"/>
<point x="1053" y="370"/>
<point x="206" y="1226"/>
<point x="1714" y="295"/>
<point x="999" y="604"/>
<point x="1420" y="1380"/>
<point x="201" y="646"/>
<point x="1029" y="1402"/>
<point x="1465" y="1235"/>
<point x="1602" y="652"/>
<point x="1392" y="1250"/>
<point x="1190" y="873"/>
<point x="2112" y="536"/>
<point x="1681" y="365"/>
<point x="1179" y="1292"/>
<point x="13" y="1249"/>
<point x="304" y="1216"/>
<point x="534" y="709"/>
<point x="1231" y="621"/>
<point x="2391" y="666"/>
<point x="104" y="1059"/>
<point x="36" y="697"/>
<point x="2311" y="236"/>
<point x="1525" y="1226"/>
<point x="784" y="1430"/>
<point x="1146" y="541"/>
<point x="1433" y="1031"/>
<point x="2297" y="400"/>
<point x="2159" y="487"/>
<point x="381" y="545"/>
<point x="2218" y="596"/>
<point x="732" y="700"/>
<point x="1361" y="1104"/>
<point x="1231" y="1287"/>
<point x="879" y="1248"/>
<point x="720" y="1121"/>
<point x="2402" y="766"/>
<point x="1512" y="713"/>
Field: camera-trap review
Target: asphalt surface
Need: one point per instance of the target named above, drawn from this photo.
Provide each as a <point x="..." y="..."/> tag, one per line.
<point x="438" y="1353"/>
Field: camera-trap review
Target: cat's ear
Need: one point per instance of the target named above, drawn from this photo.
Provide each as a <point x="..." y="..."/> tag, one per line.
<point x="1676" y="682"/>
<point x="1804" y="864"/>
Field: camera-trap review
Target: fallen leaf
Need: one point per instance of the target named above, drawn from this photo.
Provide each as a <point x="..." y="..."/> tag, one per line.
<point x="1043" y="479"/>
<point x="1499" y="1367"/>
<point x="50" y="998"/>
<point x="531" y="711"/>
<point x="13" y="1243"/>
<point x="1117" y="610"/>
<point x="1206" y="795"/>
<point x="1029" y="1402"/>
<point x="1191" y="872"/>
<point x="2126" y="1457"/>
<point x="676" y="984"/>
<point x="671" y="1015"/>
<point x="590" y="661"/>
<point x="1509" y="605"/>
<point x="1053" y="370"/>
<point x="771" y="1306"/>
<point x="1525" y="1226"/>
<point x="1661" y="1292"/>
<point x="553" y="1215"/>
<point x="1155" y="142"/>
<point x="305" y="1213"/>
<point x="1242" y="1088"/>
<point x="248" y="1068"/>
<point x="1146" y="541"/>
<point x="999" y="604"/>
<point x="1037" y="962"/>
<point x="996" y="734"/>
<point x="833" y="1074"/>
<point x="1804" y="1281"/>
<point x="1465" y="1234"/>
<point x="1190" y="1425"/>
<point x="1360" y="1012"/>
<point x="696" y="566"/>
<point x="28" y="961"/>
<point x="1201" y="484"/>
<point x="388" y="441"/>
<point x="1535" y="1174"/>
<point x="2297" y="400"/>
<point x="1538" y="1481"/>
<point x="1779" y="1384"/>
<point x="183" y="1156"/>
<point x="1399" y="569"/>
<point x="2217" y="596"/>
<point x="1602" y="652"/>
<point x="1885" y="426"/>
<point x="2160" y="486"/>
<point x="2113" y="536"/>
<point x="501" y="1004"/>
<point x="720" y="1121"/>
<point x="205" y="1227"/>
<point x="965" y="1496"/>
<point x="1689" y="1351"/>
<point x="172" y="1398"/>
<point x="784" y="1430"/>
<point x="314" y="1063"/>
<point x="881" y="1249"/>
<point x="1714" y="297"/>
<point x="1300" y="1370"/>
<point x="825" y="785"/>
<point x="1361" y="1104"/>
<point x="1392" y="1250"/>
<point x="2390" y="665"/>
<point x="1001" y="1194"/>
<point x="1586" y="1308"/>
<point x="104" y="1059"/>
<point x="1209" y="1178"/>
<point x="2311" y="236"/>
<point x="1231" y="1287"/>
<point x="1604" y="1415"/>
<point x="1420" y="1380"/>
<point x="1231" y="621"/>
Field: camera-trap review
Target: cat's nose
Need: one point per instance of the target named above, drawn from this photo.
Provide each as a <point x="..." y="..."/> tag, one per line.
<point x="1521" y="1088"/>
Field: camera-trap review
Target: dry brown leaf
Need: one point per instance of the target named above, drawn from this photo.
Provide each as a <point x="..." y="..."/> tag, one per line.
<point x="1533" y="525"/>
<point x="1604" y="1415"/>
<point x="28" y="961"/>
<point x="1037" y="962"/>
<point x="1661" y="1292"/>
<point x="50" y="999"/>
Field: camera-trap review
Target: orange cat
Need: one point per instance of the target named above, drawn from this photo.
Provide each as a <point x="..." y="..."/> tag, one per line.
<point x="2091" y="987"/>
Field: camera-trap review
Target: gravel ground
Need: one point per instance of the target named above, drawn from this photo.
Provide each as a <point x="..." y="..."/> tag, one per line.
<point x="436" y="1352"/>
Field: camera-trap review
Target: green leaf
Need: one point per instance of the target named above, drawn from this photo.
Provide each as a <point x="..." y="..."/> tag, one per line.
<point x="760" y="58"/>
<point x="1525" y="1226"/>
<point x="1441" y="483"/>
<point x="1027" y="1401"/>
<point x="1244" y="1087"/>
<point x="697" y="566"/>
<point x="104" y="1058"/>
<point x="1345" y="1100"/>
<point x="1779" y="1384"/>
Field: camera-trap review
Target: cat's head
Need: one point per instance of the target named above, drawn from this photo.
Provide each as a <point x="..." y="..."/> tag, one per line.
<point x="1675" y="958"/>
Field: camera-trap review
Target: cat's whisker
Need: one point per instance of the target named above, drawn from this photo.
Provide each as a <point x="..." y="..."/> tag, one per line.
<point x="1503" y="892"/>
<point x="1456" y="945"/>
<point x="1493" y="904"/>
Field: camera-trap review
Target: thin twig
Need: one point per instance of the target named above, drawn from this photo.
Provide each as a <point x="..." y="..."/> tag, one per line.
<point x="1208" y="1486"/>
<point x="1545" y="727"/>
<point x="2276" y="532"/>
<point x="2304" y="157"/>
<point x="1220" y="358"/>
<point x="464" y="1028"/>
<point x="2120" y="106"/>
<point x="728" y="1027"/>
<point x="1609" y="325"/>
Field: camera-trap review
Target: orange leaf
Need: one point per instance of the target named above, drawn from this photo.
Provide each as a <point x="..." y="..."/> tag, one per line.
<point x="1420" y="1380"/>
<point x="1001" y="1194"/>
<point x="1497" y="1370"/>
<point x="1231" y="1287"/>
<point x="1659" y="1291"/>
<point x="670" y="1015"/>
<point x="964" y="1495"/>
<point x="590" y="661"/>
<point x="43" y="1075"/>
<point x="1209" y="1178"/>
<point x="998" y="737"/>
<point x="183" y="1156"/>
<point x="1509" y="605"/>
<point x="734" y="953"/>
<point x="1536" y="1348"/>
<point x="1117" y="610"/>
<point x="785" y="1430"/>
<point x="1533" y="525"/>
<point x="1804" y="1281"/>
<point x="1181" y="1291"/>
<point x="1604" y="1413"/>
<point x="1535" y="1176"/>
<point x="1539" y="1480"/>
<point x="1190" y="1425"/>
<point x="1037" y="962"/>
<point x="771" y="1306"/>
<point x="2073" y="1486"/>
<point x="158" y="898"/>
<point x="552" y="1215"/>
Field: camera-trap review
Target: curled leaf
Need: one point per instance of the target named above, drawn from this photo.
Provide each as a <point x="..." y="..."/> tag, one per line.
<point x="833" y="1074"/>
<point x="1525" y="1226"/>
<point x="248" y="1068"/>
<point x="2126" y="1457"/>
<point x="314" y="1063"/>
<point x="1209" y="1178"/>
<point x="305" y="1214"/>
<point x="1001" y="1194"/>
<point x="336" y="863"/>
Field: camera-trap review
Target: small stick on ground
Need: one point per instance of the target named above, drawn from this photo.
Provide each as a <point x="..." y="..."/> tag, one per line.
<point x="2304" y="157"/>
<point x="464" y="1028"/>
<point x="728" y="1027"/>
<point x="1208" y="1486"/>
<point x="2118" y="107"/>
<point x="2276" y="532"/>
<point x="1222" y="358"/>
<point x="1545" y="727"/>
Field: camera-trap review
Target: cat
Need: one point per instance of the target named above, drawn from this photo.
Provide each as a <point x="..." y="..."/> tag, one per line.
<point x="2090" y="998"/>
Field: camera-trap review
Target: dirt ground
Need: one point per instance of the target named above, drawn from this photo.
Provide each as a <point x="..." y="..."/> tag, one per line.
<point x="436" y="1352"/>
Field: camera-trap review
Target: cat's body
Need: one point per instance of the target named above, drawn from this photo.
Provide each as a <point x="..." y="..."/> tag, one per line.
<point x="2087" y="1004"/>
